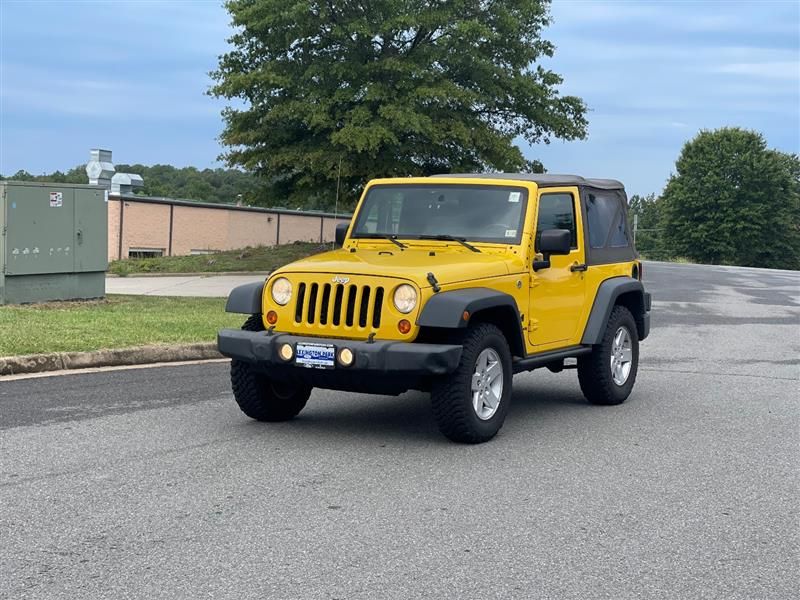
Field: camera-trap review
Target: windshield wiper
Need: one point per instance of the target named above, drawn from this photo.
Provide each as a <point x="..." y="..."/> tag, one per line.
<point x="449" y="238"/>
<point x="383" y="236"/>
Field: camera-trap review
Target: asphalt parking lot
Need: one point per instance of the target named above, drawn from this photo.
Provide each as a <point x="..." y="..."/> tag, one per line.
<point x="150" y="483"/>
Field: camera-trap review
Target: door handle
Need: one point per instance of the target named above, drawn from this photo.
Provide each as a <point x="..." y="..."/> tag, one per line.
<point x="578" y="268"/>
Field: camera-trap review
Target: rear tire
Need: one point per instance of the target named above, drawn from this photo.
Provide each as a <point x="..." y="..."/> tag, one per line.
<point x="471" y="403"/>
<point x="258" y="396"/>
<point x="607" y="374"/>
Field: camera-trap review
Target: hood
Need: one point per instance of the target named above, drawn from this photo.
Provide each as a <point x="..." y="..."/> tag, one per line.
<point x="449" y="265"/>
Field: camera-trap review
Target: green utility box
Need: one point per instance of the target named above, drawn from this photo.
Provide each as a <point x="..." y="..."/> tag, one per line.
<point x="54" y="243"/>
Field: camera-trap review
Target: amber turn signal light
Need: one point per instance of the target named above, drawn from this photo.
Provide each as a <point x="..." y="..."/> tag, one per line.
<point x="272" y="317"/>
<point x="404" y="326"/>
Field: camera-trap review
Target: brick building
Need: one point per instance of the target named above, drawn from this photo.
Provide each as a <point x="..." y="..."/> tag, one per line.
<point x="144" y="226"/>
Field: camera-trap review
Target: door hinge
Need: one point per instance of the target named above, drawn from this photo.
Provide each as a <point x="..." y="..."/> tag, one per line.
<point x="533" y="324"/>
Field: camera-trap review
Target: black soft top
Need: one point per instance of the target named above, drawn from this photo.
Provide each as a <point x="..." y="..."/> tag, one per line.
<point x="545" y="179"/>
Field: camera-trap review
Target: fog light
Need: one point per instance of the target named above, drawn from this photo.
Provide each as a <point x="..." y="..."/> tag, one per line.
<point x="286" y="352"/>
<point x="404" y="326"/>
<point x="345" y="357"/>
<point x="272" y="317"/>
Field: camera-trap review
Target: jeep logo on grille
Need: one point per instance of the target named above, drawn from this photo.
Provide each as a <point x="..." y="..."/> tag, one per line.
<point x="342" y="280"/>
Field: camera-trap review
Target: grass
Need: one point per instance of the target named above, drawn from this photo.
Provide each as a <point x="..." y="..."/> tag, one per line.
<point x="116" y="322"/>
<point x="259" y="258"/>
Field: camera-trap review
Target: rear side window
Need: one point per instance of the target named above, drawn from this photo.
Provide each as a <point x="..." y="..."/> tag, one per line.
<point x="556" y="211"/>
<point x="606" y="222"/>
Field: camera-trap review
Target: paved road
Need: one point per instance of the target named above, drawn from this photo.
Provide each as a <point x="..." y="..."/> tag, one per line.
<point x="150" y="483"/>
<point x="218" y="286"/>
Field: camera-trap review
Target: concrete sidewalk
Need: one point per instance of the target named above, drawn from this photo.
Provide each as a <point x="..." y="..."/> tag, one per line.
<point x="206" y="285"/>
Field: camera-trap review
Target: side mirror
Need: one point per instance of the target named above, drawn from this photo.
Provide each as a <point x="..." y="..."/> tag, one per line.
<point x="555" y="241"/>
<point x="552" y="241"/>
<point x="341" y="233"/>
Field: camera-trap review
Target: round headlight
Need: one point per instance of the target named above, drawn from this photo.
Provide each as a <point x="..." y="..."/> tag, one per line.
<point x="281" y="291"/>
<point x="405" y="298"/>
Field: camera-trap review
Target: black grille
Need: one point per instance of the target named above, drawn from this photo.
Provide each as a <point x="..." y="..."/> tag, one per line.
<point x="339" y="304"/>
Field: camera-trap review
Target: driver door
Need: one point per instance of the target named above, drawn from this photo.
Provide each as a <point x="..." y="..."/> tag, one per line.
<point x="557" y="293"/>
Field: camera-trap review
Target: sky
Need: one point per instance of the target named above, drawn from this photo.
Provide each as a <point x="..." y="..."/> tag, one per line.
<point x="132" y="76"/>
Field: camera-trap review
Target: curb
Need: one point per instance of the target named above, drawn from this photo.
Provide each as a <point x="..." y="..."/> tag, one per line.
<point x="139" y="355"/>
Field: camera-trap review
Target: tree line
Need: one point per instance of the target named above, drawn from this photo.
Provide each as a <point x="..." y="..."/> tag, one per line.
<point x="206" y="185"/>
<point x="731" y="200"/>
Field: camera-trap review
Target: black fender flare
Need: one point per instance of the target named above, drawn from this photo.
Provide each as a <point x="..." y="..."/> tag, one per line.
<point x="607" y="295"/>
<point x="446" y="310"/>
<point x="246" y="299"/>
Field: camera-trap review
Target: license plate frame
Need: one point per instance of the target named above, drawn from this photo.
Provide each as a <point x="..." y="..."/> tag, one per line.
<point x="315" y="356"/>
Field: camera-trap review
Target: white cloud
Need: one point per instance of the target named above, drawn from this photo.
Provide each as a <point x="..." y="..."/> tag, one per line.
<point x="689" y="17"/>
<point x="26" y="89"/>
<point x="583" y="11"/>
<point x="771" y="70"/>
<point x="620" y="50"/>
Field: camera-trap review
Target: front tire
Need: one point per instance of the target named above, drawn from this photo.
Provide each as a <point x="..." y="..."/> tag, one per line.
<point x="607" y="374"/>
<point x="470" y="404"/>
<point x="258" y="396"/>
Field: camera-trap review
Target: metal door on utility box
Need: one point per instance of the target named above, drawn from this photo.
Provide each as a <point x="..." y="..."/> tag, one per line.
<point x="3" y="191"/>
<point x="91" y="230"/>
<point x="40" y="230"/>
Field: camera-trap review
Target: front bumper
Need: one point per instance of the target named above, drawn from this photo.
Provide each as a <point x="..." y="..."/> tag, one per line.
<point x="379" y="356"/>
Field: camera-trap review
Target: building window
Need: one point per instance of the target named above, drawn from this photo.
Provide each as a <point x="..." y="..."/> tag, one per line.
<point x="145" y="252"/>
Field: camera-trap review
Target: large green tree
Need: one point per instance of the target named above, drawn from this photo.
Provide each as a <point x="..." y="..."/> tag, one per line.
<point x="386" y="88"/>
<point x="734" y="201"/>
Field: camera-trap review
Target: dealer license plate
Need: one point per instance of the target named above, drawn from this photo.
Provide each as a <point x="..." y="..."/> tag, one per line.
<point x="316" y="356"/>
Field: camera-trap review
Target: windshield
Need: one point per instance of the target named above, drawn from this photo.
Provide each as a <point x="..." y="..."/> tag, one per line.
<point x="470" y="212"/>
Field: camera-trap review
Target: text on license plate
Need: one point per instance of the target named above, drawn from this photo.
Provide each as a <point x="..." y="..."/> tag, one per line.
<point x="318" y="356"/>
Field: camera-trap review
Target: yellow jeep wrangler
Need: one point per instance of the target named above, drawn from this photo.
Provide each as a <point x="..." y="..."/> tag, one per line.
<point x="450" y="284"/>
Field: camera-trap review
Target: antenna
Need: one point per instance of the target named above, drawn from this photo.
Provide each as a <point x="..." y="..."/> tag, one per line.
<point x="336" y="204"/>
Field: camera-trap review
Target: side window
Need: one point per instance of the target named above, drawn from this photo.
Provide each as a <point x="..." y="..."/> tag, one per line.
<point x="556" y="211"/>
<point x="619" y="237"/>
<point x="605" y="221"/>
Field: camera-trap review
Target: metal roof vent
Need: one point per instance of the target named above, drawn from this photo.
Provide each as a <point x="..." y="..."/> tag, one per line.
<point x="100" y="169"/>
<point x="124" y="183"/>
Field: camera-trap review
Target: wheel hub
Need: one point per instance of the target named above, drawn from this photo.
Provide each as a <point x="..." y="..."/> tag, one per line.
<point x="621" y="356"/>
<point x="487" y="384"/>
